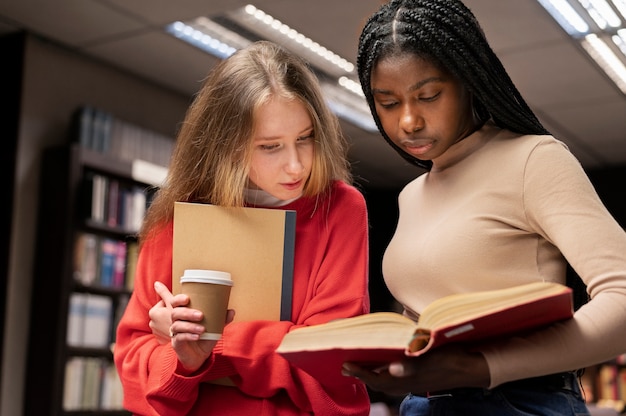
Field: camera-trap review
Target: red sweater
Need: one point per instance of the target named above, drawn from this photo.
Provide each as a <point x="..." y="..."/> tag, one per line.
<point x="330" y="282"/>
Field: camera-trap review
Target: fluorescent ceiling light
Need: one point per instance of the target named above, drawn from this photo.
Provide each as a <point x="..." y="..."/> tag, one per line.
<point x="207" y="35"/>
<point x="598" y="25"/>
<point x="267" y="27"/>
<point x="601" y="13"/>
<point x="608" y="61"/>
<point x="620" y="40"/>
<point x="566" y="16"/>
<point x="345" y="97"/>
<point x="621" y="6"/>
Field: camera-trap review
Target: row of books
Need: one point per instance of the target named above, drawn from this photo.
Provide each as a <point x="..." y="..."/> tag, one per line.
<point x="611" y="383"/>
<point x="91" y="384"/>
<point x="99" y="130"/>
<point x="92" y="319"/>
<point x="113" y="202"/>
<point x="103" y="261"/>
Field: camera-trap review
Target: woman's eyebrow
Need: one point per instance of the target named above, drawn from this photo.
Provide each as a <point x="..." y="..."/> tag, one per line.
<point x="414" y="87"/>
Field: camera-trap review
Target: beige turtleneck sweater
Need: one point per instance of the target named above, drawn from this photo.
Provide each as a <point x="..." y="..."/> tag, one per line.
<point x="497" y="210"/>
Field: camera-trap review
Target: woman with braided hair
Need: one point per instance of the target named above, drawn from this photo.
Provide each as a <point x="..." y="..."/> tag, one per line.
<point x="502" y="203"/>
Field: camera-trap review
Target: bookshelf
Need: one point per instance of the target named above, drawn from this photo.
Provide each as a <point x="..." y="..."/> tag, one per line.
<point x="604" y="385"/>
<point x="90" y="206"/>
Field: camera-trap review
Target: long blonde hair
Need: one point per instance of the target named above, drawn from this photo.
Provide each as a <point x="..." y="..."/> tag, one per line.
<point x="211" y="159"/>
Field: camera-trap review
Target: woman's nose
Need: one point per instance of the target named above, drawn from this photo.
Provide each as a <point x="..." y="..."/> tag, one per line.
<point x="293" y="163"/>
<point x="410" y="120"/>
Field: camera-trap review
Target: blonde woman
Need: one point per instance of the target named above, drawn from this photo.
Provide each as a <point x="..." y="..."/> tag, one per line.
<point x="257" y="134"/>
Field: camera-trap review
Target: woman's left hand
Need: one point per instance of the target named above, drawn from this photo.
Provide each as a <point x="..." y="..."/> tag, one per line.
<point x="441" y="369"/>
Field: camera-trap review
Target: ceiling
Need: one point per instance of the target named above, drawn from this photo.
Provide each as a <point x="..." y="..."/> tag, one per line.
<point x="574" y="100"/>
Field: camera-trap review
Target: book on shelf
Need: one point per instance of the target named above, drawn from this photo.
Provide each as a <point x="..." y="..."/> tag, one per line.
<point x="100" y="131"/>
<point x="97" y="319"/>
<point x="375" y="339"/>
<point x="89" y="320"/>
<point x="102" y="261"/>
<point x="118" y="204"/>
<point x="91" y="384"/>
<point x="86" y="258"/>
<point x="132" y="253"/>
<point x="255" y="245"/>
<point x="76" y="319"/>
<point x="108" y="253"/>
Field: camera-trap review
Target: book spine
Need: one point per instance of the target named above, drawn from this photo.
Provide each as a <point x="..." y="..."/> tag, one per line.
<point x="288" y="265"/>
<point x="132" y="252"/>
<point x="108" y="249"/>
<point x="75" y="319"/>
<point x="119" y="269"/>
<point x="97" y="321"/>
<point x="85" y="258"/>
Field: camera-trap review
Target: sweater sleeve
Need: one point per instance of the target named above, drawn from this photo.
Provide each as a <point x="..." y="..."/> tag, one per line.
<point x="140" y="360"/>
<point x="562" y="207"/>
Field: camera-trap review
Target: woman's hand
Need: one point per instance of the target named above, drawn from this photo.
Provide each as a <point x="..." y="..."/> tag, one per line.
<point x="441" y="369"/>
<point x="171" y="321"/>
<point x="161" y="313"/>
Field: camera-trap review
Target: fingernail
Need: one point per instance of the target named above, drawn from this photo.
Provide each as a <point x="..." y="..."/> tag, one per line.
<point x="396" y="369"/>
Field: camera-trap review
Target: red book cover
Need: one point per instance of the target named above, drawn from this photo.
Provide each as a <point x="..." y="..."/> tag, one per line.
<point x="376" y="339"/>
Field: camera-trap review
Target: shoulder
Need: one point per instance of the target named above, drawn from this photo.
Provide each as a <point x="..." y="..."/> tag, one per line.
<point x="159" y="236"/>
<point x="544" y="152"/>
<point x="343" y="190"/>
<point x="527" y="144"/>
<point x="519" y="154"/>
<point x="345" y="195"/>
<point x="341" y="200"/>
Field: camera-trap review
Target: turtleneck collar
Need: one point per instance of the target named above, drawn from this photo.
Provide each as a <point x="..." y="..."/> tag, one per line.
<point x="259" y="197"/>
<point x="464" y="148"/>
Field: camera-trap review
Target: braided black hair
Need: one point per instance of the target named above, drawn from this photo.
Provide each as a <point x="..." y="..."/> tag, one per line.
<point x="446" y="33"/>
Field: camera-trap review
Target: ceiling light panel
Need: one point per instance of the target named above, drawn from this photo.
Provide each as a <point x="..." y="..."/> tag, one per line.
<point x="223" y="35"/>
<point x="209" y="36"/>
<point x="267" y="27"/>
<point x="599" y="27"/>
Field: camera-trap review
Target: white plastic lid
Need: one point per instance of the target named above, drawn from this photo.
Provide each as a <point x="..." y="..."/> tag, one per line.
<point x="206" y="276"/>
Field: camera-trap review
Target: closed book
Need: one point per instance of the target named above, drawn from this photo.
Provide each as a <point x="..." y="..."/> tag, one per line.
<point x="76" y="319"/>
<point x="72" y="383"/>
<point x="97" y="321"/>
<point x="255" y="245"/>
<point x="132" y="252"/>
<point x="86" y="248"/>
<point x="376" y="339"/>
<point x="108" y="254"/>
<point x="119" y="267"/>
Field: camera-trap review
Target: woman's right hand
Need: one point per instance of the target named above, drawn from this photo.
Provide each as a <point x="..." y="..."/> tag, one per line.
<point x="171" y="320"/>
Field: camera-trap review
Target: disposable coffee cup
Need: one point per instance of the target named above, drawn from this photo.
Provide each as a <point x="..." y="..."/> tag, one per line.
<point x="209" y="292"/>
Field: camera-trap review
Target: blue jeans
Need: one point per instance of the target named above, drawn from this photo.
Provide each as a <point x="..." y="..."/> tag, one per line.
<point x="523" y="398"/>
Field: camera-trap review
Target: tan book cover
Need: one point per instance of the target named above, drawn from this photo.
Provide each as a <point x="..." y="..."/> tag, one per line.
<point x="255" y="245"/>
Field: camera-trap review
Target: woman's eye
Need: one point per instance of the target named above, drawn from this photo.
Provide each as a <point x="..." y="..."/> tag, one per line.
<point x="307" y="138"/>
<point x="387" y="104"/>
<point x="430" y="97"/>
<point x="268" y="147"/>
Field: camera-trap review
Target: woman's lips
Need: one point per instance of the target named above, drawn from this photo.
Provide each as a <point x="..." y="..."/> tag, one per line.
<point x="417" y="148"/>
<point x="292" y="185"/>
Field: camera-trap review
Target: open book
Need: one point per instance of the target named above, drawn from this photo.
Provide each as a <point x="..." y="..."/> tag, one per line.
<point x="378" y="338"/>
